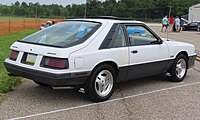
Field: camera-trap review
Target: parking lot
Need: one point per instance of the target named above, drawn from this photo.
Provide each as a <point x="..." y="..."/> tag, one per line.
<point x="151" y="98"/>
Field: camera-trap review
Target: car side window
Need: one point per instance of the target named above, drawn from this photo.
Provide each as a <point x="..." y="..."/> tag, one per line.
<point x="118" y="39"/>
<point x="138" y="35"/>
<point x="193" y="24"/>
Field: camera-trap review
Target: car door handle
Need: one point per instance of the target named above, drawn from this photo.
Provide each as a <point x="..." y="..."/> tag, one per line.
<point x="134" y="51"/>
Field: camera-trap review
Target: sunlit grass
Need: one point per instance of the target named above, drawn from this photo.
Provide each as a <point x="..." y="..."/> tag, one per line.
<point x="6" y="82"/>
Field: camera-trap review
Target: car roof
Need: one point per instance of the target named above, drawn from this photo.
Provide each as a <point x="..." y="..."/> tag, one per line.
<point x="102" y="20"/>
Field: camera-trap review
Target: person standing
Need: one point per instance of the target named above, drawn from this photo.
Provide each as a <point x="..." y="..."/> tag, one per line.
<point x="171" y="23"/>
<point x="48" y="23"/>
<point x="181" y="24"/>
<point x="177" y="24"/>
<point x="53" y="22"/>
<point x="42" y="26"/>
<point x="164" y="23"/>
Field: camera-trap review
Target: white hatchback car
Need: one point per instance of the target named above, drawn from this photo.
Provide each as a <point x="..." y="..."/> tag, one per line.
<point x="96" y="54"/>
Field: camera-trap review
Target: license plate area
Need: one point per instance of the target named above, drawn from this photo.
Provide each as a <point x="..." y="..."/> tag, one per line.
<point x="29" y="58"/>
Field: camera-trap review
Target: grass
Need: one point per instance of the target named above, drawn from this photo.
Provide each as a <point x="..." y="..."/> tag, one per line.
<point x="12" y="18"/>
<point x="6" y="18"/>
<point x="6" y="82"/>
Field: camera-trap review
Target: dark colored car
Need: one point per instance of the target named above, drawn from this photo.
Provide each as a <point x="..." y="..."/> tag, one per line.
<point x="192" y="26"/>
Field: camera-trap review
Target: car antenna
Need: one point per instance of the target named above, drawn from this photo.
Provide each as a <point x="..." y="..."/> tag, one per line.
<point x="170" y="9"/>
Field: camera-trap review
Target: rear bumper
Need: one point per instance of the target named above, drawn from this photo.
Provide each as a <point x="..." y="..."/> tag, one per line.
<point x="191" y="61"/>
<point x="67" y="79"/>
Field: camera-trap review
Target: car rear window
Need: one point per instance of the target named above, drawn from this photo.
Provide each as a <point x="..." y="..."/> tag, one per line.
<point x="63" y="34"/>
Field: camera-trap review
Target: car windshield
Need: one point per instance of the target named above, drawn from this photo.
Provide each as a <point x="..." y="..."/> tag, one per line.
<point x="63" y="34"/>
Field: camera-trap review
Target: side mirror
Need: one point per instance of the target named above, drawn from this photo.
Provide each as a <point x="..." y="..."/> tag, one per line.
<point x="160" y="42"/>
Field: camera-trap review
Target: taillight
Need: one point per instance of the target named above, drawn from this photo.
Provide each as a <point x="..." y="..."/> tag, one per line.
<point x="57" y="63"/>
<point x="13" y="55"/>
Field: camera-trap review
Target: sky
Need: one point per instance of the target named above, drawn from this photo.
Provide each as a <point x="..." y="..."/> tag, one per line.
<point x="59" y="2"/>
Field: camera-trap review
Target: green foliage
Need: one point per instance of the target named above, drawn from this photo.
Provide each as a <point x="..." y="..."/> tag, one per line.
<point x="6" y="82"/>
<point x="146" y="9"/>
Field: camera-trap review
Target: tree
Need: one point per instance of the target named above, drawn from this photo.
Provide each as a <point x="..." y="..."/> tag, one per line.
<point x="137" y="9"/>
<point x="18" y="11"/>
<point x="6" y="11"/>
<point x="1" y="9"/>
<point x="92" y="6"/>
<point x="64" y="12"/>
<point x="17" y="3"/>
<point x="24" y="5"/>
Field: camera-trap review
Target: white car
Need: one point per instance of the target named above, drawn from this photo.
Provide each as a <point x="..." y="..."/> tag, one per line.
<point x="96" y="54"/>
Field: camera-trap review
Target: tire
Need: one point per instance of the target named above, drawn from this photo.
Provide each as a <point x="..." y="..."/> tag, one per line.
<point x="41" y="84"/>
<point x="101" y="83"/>
<point x="178" y="69"/>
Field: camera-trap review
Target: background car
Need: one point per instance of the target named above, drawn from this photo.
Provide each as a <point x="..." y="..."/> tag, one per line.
<point x="95" y="54"/>
<point x="192" y="26"/>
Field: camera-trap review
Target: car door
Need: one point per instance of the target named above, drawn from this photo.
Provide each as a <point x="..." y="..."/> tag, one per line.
<point x="115" y="47"/>
<point x="148" y="54"/>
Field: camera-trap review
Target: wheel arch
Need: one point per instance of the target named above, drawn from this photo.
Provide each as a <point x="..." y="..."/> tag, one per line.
<point x="183" y="53"/>
<point x="112" y="63"/>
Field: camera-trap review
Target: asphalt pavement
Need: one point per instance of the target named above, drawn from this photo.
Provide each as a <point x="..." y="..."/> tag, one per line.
<point x="151" y="98"/>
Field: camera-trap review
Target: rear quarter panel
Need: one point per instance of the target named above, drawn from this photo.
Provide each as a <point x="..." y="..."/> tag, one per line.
<point x="92" y="56"/>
